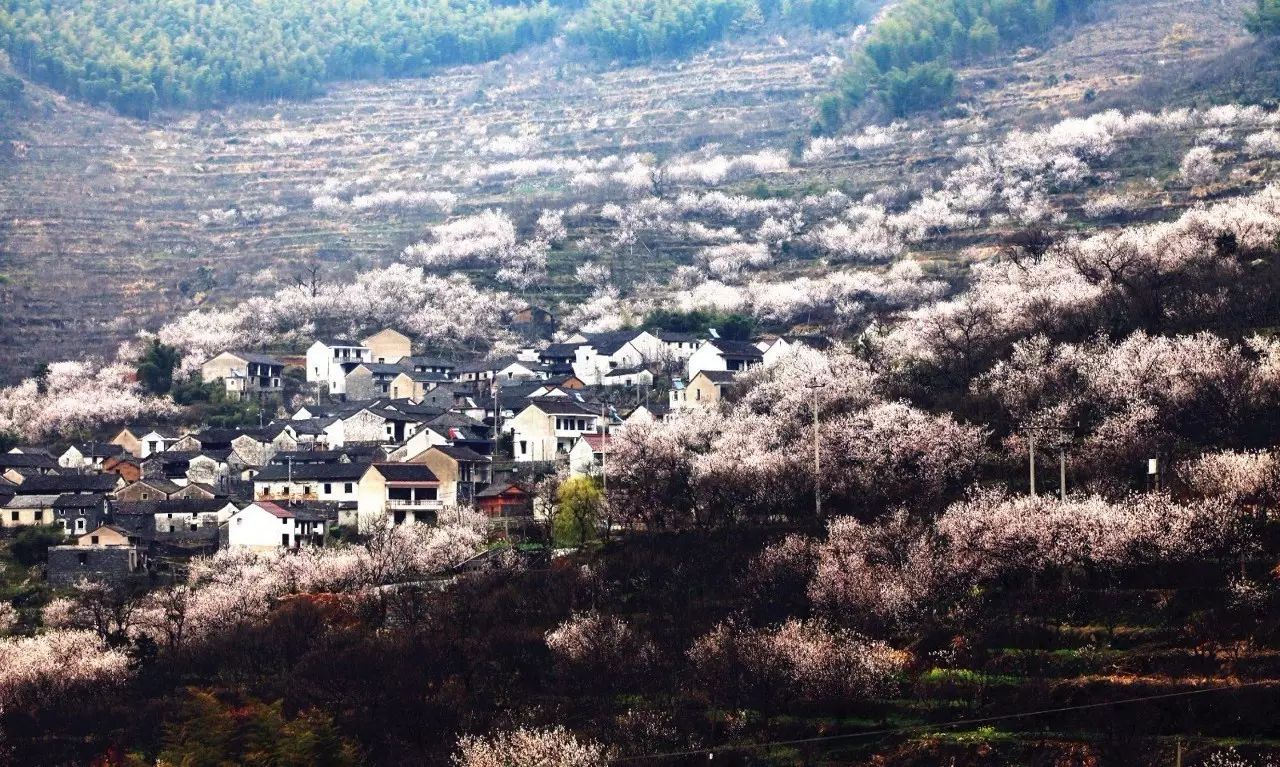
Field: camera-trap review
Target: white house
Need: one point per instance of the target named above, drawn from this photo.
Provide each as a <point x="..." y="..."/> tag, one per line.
<point x="597" y="355"/>
<point x="589" y="454"/>
<point x="775" y="349"/>
<point x="328" y="363"/>
<point x="548" y="427"/>
<point x="721" y="354"/>
<point x="332" y="482"/>
<point x="263" y="525"/>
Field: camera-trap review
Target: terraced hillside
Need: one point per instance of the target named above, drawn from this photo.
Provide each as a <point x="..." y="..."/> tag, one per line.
<point x="144" y="220"/>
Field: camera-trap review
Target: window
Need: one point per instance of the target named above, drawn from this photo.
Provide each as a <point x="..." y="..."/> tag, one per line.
<point x="346" y="488"/>
<point x="146" y="496"/>
<point x="284" y="539"/>
<point x="284" y="521"/>
<point x="13" y="516"/>
<point x="39" y="515"/>
<point x="328" y="488"/>
<point x="93" y="539"/>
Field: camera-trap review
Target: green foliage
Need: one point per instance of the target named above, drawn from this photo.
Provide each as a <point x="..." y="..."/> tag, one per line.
<point x="920" y="87"/>
<point x="830" y="113"/>
<point x="211" y="733"/>
<point x="579" y="502"/>
<point x="31" y="544"/>
<point x="1264" y="19"/>
<point x="634" y="29"/>
<point x="913" y="46"/>
<point x="155" y="369"/>
<point x="733" y="327"/>
<point x="143" y="54"/>
<point x="8" y="440"/>
<point x="10" y="87"/>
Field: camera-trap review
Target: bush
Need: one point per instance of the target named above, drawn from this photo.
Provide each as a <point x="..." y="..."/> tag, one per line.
<point x="31" y="544"/>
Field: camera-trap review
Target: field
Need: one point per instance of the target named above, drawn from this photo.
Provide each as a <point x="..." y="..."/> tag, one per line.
<point x="131" y="213"/>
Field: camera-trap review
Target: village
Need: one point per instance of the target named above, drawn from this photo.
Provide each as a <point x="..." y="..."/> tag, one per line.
<point x="379" y="436"/>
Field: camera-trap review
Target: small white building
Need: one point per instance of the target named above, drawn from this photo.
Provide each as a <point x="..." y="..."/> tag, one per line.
<point x="328" y="363"/>
<point x="264" y="526"/>
<point x="720" y="354"/>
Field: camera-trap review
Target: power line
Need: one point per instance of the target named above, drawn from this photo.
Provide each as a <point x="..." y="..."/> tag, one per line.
<point x="937" y="726"/>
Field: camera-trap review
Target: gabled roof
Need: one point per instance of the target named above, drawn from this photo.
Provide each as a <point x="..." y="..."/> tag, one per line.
<point x="158" y="483"/>
<point x="273" y="509"/>
<point x="309" y="472"/>
<point x="98" y="449"/>
<point x="459" y="453"/>
<point x="717" y="376"/>
<point x="255" y="357"/>
<point x="380" y="368"/>
<point x="736" y="348"/>
<point x="27" y="461"/>
<point x="405" y="472"/>
<point x="597" y="441"/>
<point x="675" y="337"/>
<point x="331" y="342"/>
<point x="609" y="343"/>
<point x="427" y="361"/>
<point x="57" y="484"/>
<point x="560" y="406"/>
<point x="559" y="351"/>
<point x="79" y="501"/>
<point x="170" y="506"/>
<point x="500" y="488"/>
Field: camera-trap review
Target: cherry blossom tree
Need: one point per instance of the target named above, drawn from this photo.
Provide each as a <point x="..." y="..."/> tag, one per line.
<point x="529" y="747"/>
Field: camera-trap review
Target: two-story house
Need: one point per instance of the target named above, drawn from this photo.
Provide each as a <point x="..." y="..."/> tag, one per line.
<point x="397" y="493"/>
<point x="461" y="471"/>
<point x="547" y="428"/>
<point x="263" y="525"/>
<point x="722" y="354"/>
<point x="328" y="363"/>
<point x="245" y="375"/>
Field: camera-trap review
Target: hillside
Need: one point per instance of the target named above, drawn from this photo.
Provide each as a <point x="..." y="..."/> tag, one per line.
<point x="136" y="212"/>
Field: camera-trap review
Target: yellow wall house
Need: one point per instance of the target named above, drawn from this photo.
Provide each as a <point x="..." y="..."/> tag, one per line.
<point x="397" y="493"/>
<point x="388" y="346"/>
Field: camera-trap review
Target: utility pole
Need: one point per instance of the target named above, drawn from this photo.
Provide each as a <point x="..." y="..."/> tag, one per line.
<point x="1031" y="455"/>
<point x="813" y="387"/>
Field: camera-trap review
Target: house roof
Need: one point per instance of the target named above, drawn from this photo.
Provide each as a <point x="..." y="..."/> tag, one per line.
<point x="737" y="348"/>
<point x="559" y="351"/>
<point x="560" y="406"/>
<point x="430" y="362"/>
<point x="500" y="488"/>
<point x="274" y="509"/>
<point x="405" y="472"/>
<point x="718" y="376"/>
<point x="27" y="461"/>
<point x="380" y="368"/>
<point x="56" y="484"/>
<point x="674" y="337"/>
<point x="158" y="483"/>
<point x="609" y="343"/>
<point x="597" y="441"/>
<point x="79" y="501"/>
<point x="255" y="357"/>
<point x="305" y="472"/>
<point x="98" y="449"/>
<point x="459" y="453"/>
<point x="170" y="506"/>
